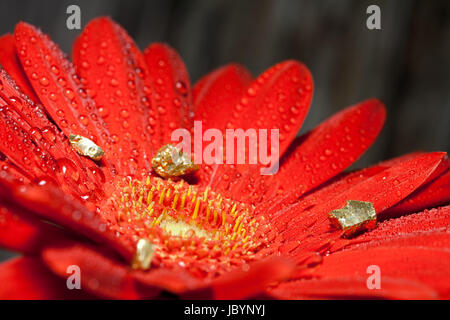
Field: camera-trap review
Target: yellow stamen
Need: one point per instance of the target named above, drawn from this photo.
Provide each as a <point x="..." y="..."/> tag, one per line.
<point x="175" y="200"/>
<point x="161" y="196"/>
<point x="215" y="216"/>
<point x="223" y="217"/>
<point x="197" y="206"/>
<point x="233" y="209"/>
<point x="238" y="221"/>
<point x="150" y="195"/>
<point x="208" y="211"/>
<point x="205" y="194"/>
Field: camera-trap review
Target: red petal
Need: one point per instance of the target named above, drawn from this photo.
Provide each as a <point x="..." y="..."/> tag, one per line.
<point x="52" y="204"/>
<point x="104" y="276"/>
<point x="352" y="288"/>
<point x="42" y="144"/>
<point x="217" y="91"/>
<point x="18" y="147"/>
<point x="171" y="90"/>
<point x="434" y="240"/>
<point x="26" y="235"/>
<point x="383" y="189"/>
<point x="59" y="89"/>
<point x="114" y="72"/>
<point x="14" y="171"/>
<point x="278" y="99"/>
<point x="176" y="281"/>
<point x="247" y="282"/>
<point x="240" y="283"/>
<point x="430" y="267"/>
<point x="100" y="273"/>
<point x="28" y="279"/>
<point x="427" y="229"/>
<point x="330" y="190"/>
<point x="10" y="62"/>
<point x="32" y="114"/>
<point x="389" y="187"/>
<point x="332" y="147"/>
<point x="433" y="194"/>
<point x="213" y="96"/>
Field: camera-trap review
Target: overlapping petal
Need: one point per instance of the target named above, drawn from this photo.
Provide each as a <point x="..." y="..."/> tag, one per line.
<point x="115" y="75"/>
<point x="28" y="278"/>
<point x="171" y="95"/>
<point x="10" y="62"/>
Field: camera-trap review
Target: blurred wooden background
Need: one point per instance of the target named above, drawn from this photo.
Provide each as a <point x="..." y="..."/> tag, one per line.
<point x="406" y="64"/>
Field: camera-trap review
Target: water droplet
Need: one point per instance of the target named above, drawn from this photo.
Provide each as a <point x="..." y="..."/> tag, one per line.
<point x="68" y="169"/>
<point x="103" y="112"/>
<point x="83" y="119"/>
<point x="124" y="113"/>
<point x="294" y="110"/>
<point x="62" y="81"/>
<point x="181" y="88"/>
<point x="100" y="60"/>
<point x="54" y="69"/>
<point x="44" y="81"/>
<point x="69" y="93"/>
<point x="114" y="82"/>
<point x="36" y="133"/>
<point x="161" y="109"/>
<point x="45" y="180"/>
<point x="53" y="96"/>
<point x="98" y="174"/>
<point x="140" y="72"/>
<point x="49" y="134"/>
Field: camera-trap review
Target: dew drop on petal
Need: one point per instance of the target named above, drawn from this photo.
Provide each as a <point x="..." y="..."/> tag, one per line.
<point x="181" y="88"/>
<point x="44" y="81"/>
<point x="68" y="169"/>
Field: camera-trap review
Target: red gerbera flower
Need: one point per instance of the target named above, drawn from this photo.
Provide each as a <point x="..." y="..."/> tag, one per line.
<point x="224" y="232"/>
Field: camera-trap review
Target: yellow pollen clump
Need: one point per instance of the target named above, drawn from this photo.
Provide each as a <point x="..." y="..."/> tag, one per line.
<point x="181" y="228"/>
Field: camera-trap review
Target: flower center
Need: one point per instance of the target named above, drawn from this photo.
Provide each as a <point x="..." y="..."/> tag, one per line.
<point x="189" y="226"/>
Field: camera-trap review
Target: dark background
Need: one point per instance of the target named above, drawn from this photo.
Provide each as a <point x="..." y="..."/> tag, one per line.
<point x="406" y="64"/>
